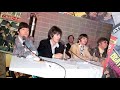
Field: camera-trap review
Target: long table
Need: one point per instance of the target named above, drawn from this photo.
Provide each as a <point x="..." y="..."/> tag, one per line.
<point x="56" y="68"/>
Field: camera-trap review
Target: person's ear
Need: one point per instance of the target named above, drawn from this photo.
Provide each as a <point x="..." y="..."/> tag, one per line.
<point x="99" y="43"/>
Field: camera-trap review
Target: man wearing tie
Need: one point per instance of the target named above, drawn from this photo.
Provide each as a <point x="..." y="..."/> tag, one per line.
<point x="79" y="50"/>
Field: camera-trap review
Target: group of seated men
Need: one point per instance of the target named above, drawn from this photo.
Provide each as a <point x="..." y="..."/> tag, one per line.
<point x="53" y="48"/>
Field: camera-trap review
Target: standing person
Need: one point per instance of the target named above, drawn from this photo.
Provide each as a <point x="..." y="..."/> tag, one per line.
<point x="70" y="42"/>
<point x="52" y="47"/>
<point x="79" y="50"/>
<point x="68" y="45"/>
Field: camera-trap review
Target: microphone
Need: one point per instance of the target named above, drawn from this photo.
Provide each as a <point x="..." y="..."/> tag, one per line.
<point x="25" y="42"/>
<point x="64" y="57"/>
<point x="82" y="59"/>
<point x="28" y="45"/>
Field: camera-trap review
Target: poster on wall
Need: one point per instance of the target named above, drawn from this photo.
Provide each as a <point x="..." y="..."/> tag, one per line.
<point x="77" y="14"/>
<point x="104" y="17"/>
<point x="113" y="59"/>
<point x="9" y="22"/>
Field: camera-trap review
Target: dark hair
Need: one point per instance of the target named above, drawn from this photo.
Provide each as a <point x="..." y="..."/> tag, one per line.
<point x="23" y="25"/>
<point x="81" y="36"/>
<point x="101" y="40"/>
<point x="70" y="35"/>
<point x="54" y="30"/>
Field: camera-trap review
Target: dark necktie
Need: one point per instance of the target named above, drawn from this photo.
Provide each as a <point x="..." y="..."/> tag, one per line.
<point x="81" y="50"/>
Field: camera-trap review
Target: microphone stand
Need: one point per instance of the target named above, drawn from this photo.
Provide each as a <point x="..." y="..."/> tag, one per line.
<point x="45" y="60"/>
<point x="82" y="59"/>
<point x="64" y="56"/>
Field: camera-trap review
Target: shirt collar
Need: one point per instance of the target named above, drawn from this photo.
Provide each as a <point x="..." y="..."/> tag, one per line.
<point x="56" y="45"/>
<point x="81" y="45"/>
<point x="100" y="50"/>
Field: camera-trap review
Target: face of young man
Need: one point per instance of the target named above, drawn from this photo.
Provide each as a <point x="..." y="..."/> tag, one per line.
<point x="71" y="39"/>
<point x="83" y="41"/>
<point x="56" y="38"/>
<point x="24" y="32"/>
<point x="103" y="44"/>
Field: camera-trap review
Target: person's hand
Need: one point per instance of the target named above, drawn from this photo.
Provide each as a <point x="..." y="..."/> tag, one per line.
<point x="96" y="59"/>
<point x="58" y="56"/>
<point x="17" y="74"/>
<point x="107" y="74"/>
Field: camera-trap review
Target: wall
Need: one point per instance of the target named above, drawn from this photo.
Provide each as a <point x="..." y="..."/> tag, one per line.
<point x="116" y="16"/>
<point x="69" y="25"/>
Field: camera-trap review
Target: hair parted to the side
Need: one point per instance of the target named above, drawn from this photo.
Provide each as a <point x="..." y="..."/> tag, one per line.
<point x="81" y="36"/>
<point x="54" y="30"/>
<point x="101" y="39"/>
<point x="70" y="35"/>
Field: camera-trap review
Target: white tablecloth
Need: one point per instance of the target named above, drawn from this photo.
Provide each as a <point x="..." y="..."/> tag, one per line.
<point x="67" y="69"/>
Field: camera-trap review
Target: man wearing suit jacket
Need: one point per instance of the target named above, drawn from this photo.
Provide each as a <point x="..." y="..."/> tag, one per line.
<point x="79" y="50"/>
<point x="52" y="47"/>
<point x="101" y="50"/>
<point x="20" y="49"/>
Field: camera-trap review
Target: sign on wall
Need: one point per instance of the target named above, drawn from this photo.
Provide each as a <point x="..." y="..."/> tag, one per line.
<point x="113" y="59"/>
<point x="105" y="17"/>
<point x="9" y="22"/>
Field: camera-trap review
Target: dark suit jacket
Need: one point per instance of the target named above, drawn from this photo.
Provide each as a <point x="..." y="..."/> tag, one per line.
<point x="68" y="46"/>
<point x="45" y="50"/>
<point x="97" y="52"/>
<point x="67" y="49"/>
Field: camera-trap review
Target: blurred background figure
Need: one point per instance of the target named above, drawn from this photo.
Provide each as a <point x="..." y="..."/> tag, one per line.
<point x="70" y="42"/>
<point x="91" y="15"/>
<point x="68" y="45"/>
<point x="106" y="17"/>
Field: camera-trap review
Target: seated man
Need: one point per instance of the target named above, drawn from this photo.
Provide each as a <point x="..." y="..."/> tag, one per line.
<point x="70" y="42"/>
<point x="79" y="50"/>
<point x="52" y="47"/>
<point x="19" y="48"/>
<point x="22" y="43"/>
<point x="101" y="50"/>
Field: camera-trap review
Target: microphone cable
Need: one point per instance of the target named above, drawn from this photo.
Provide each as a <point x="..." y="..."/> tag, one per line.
<point x="45" y="60"/>
<point x="82" y="59"/>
